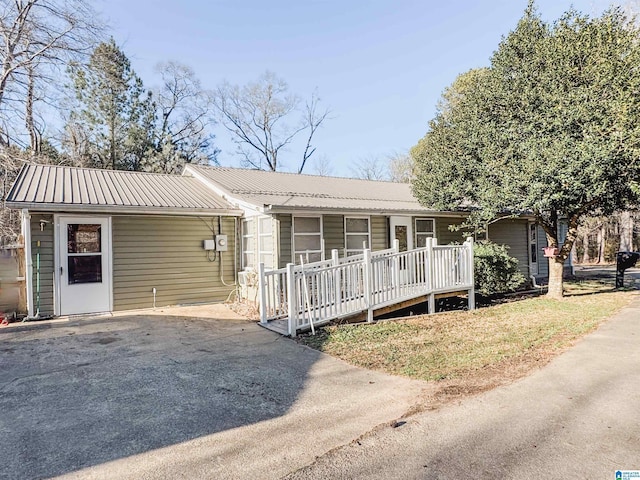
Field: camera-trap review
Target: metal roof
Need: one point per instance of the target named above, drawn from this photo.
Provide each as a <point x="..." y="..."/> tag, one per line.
<point x="52" y="187"/>
<point x="279" y="190"/>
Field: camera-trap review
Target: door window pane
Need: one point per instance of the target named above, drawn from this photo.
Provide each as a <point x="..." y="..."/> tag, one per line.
<point x="84" y="238"/>
<point x="84" y="269"/>
<point x="401" y="236"/>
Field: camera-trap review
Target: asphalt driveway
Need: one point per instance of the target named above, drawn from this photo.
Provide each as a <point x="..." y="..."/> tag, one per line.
<point x="174" y="394"/>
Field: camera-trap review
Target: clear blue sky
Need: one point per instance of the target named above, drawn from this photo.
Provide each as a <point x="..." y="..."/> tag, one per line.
<point x="379" y="65"/>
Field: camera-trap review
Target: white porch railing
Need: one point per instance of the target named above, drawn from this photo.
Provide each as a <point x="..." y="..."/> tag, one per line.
<point x="316" y="293"/>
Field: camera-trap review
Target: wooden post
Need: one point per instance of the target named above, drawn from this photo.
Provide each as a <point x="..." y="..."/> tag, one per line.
<point x="429" y="272"/>
<point x="291" y="300"/>
<point x="469" y="273"/>
<point x="337" y="288"/>
<point x="262" y="287"/>
<point x="368" y="295"/>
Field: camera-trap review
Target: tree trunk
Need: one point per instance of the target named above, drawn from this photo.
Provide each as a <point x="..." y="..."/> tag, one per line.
<point x="34" y="137"/>
<point x="626" y="232"/>
<point x="601" y="239"/>
<point x="585" y="247"/>
<point x="556" y="270"/>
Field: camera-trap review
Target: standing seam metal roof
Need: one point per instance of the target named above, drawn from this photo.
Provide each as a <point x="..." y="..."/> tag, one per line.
<point x="52" y="186"/>
<point x="286" y="190"/>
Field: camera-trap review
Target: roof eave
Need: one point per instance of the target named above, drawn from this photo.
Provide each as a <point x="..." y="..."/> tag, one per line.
<point x="126" y="209"/>
<point x="368" y="211"/>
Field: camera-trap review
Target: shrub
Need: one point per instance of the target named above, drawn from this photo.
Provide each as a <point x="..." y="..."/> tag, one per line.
<point x="495" y="271"/>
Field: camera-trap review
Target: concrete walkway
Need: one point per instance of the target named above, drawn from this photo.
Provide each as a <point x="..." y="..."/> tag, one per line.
<point x="579" y="417"/>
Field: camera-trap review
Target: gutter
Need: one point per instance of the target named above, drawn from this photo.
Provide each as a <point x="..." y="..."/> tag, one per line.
<point x="125" y="209"/>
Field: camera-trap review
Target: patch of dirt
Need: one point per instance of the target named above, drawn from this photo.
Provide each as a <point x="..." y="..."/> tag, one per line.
<point x="246" y="309"/>
<point x="448" y="391"/>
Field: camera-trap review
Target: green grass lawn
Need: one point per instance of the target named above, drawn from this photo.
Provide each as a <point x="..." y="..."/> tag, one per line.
<point x="505" y="340"/>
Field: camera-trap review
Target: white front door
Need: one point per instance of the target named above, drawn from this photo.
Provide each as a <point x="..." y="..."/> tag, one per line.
<point x="401" y="228"/>
<point x="84" y="264"/>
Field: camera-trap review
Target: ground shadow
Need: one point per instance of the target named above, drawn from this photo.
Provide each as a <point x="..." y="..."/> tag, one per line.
<point x="74" y="396"/>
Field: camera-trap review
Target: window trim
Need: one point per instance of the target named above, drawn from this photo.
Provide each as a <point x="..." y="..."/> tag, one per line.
<point x="295" y="253"/>
<point x="417" y="233"/>
<point x="356" y="251"/>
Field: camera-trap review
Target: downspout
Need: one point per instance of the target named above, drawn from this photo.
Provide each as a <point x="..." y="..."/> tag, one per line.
<point x="26" y="235"/>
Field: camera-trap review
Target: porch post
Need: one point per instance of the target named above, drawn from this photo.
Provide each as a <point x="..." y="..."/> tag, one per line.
<point x="429" y="271"/>
<point x="263" y="294"/>
<point x="26" y="233"/>
<point x="337" y="288"/>
<point x="368" y="294"/>
<point x="470" y="273"/>
<point x="291" y="300"/>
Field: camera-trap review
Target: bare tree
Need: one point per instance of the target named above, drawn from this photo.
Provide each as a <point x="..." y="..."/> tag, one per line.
<point x="322" y="166"/>
<point x="185" y="116"/>
<point x="37" y="38"/>
<point x="259" y="115"/>
<point x="401" y="167"/>
<point x="370" y="168"/>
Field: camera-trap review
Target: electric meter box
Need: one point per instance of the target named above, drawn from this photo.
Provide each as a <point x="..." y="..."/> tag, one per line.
<point x="221" y="243"/>
<point x="209" y="245"/>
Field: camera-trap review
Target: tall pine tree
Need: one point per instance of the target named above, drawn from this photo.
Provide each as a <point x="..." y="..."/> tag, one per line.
<point x="113" y="123"/>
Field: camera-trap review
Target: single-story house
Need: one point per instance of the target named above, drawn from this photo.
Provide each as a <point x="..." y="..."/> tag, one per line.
<point x="105" y="240"/>
<point x="287" y="215"/>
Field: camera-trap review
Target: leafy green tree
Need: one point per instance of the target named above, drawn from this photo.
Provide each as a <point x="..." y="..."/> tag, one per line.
<point x="551" y="128"/>
<point x="115" y="116"/>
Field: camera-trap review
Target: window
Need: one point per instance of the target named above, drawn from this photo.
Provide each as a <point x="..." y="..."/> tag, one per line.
<point x="265" y="241"/>
<point x="257" y="238"/>
<point x="307" y="239"/>
<point x="84" y="253"/>
<point x="356" y="234"/>
<point x="533" y="242"/>
<point x="425" y="228"/>
<point x="249" y="243"/>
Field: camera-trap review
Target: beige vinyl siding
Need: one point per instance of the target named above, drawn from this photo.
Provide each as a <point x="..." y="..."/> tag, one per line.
<point x="514" y="234"/>
<point x="333" y="232"/>
<point x="283" y="229"/>
<point x="46" y="262"/>
<point x="167" y="253"/>
<point x="444" y="234"/>
<point x="379" y="233"/>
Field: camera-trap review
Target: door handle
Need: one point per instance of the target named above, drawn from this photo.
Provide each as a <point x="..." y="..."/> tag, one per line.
<point x="60" y="271"/>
